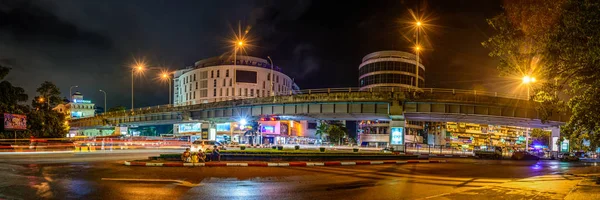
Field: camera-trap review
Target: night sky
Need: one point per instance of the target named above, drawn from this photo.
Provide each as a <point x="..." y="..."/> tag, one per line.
<point x="318" y="43"/>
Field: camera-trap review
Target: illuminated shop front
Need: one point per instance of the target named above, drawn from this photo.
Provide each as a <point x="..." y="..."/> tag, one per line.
<point x="470" y="135"/>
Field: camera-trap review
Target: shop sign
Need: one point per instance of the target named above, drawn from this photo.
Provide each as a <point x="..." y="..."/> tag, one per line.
<point x="190" y="127"/>
<point x="225" y="127"/>
<point x="564" y="146"/>
<point x="81" y="101"/>
<point x="14" y="122"/>
<point x="397" y="135"/>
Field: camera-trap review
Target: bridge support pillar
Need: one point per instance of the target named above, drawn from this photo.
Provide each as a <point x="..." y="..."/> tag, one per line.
<point x="397" y="131"/>
<point x="554" y="137"/>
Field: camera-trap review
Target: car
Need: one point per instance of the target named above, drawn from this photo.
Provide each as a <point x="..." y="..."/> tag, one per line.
<point x="567" y="157"/>
<point x="205" y="144"/>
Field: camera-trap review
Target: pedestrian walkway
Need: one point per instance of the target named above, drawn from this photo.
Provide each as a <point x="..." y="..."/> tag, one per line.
<point x="553" y="186"/>
<point x="274" y="164"/>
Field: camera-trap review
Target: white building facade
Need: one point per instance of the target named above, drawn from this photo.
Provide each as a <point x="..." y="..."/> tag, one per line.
<point x="214" y="80"/>
<point x="390" y="69"/>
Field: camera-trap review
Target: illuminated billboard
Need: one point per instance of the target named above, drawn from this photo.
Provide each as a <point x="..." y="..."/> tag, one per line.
<point x="397" y="136"/>
<point x="14" y="122"/>
<point x="191" y="127"/>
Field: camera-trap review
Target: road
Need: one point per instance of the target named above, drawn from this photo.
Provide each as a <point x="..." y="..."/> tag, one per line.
<point x="103" y="176"/>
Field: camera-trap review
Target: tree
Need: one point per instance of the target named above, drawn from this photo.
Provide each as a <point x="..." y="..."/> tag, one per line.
<point x="11" y="97"/>
<point x="334" y="131"/>
<point x="116" y="109"/>
<point x="540" y="137"/>
<point x="559" y="43"/>
<point x="43" y="121"/>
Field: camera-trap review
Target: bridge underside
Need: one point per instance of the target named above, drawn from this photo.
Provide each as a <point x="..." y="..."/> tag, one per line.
<point x="302" y="111"/>
<point x="480" y="119"/>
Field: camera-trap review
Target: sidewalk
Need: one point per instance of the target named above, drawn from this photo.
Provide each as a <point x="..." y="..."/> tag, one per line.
<point x="554" y="186"/>
<point x="273" y="164"/>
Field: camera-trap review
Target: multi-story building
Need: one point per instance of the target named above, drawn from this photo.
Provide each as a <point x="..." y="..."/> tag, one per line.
<point x="389" y="69"/>
<point x="213" y="80"/>
<point x="77" y="108"/>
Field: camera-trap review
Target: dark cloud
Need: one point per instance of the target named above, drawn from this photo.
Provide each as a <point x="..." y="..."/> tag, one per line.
<point x="93" y="43"/>
<point x="26" y="22"/>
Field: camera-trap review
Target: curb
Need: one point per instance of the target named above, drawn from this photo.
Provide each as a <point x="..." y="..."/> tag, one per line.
<point x="441" y="155"/>
<point x="265" y="164"/>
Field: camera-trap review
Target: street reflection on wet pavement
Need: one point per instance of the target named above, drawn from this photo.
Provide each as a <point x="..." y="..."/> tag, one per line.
<point x="408" y="181"/>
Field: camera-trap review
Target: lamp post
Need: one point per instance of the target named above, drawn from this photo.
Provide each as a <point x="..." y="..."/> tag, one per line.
<point x="272" y="76"/>
<point x="105" y="109"/>
<point x="417" y="49"/>
<point x="71" y="93"/>
<point x="238" y="44"/>
<point x="527" y="80"/>
<point x="167" y="77"/>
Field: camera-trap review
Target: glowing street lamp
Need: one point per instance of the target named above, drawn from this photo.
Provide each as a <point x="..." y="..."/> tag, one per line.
<point x="167" y="77"/>
<point x="139" y="67"/>
<point x="417" y="50"/>
<point x="527" y="80"/>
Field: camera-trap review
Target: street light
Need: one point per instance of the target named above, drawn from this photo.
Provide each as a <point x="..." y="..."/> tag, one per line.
<point x="527" y="80"/>
<point x="105" y="109"/>
<point x="71" y="93"/>
<point x="167" y="77"/>
<point x="139" y="68"/>
<point x="239" y="44"/>
<point x="272" y="76"/>
<point x="417" y="50"/>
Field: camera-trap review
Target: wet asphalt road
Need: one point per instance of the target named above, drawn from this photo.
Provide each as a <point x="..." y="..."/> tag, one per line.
<point x="81" y="177"/>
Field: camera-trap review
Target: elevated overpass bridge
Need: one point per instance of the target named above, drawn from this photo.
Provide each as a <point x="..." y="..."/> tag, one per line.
<point x="426" y="104"/>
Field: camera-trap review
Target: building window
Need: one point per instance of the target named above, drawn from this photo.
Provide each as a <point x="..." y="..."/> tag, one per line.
<point x="226" y="91"/>
<point x="224" y="82"/>
<point x="221" y="92"/>
<point x="194" y="77"/>
<point x="194" y="97"/>
<point x="185" y="88"/>
<point x="226" y="73"/>
<point x="263" y="93"/>
<point x="263" y="85"/>
<point x="230" y="82"/>
<point x="258" y="93"/>
<point x="212" y="74"/>
<point x="268" y="76"/>
<point x="239" y="94"/>
<point x="215" y="83"/>
<point x="215" y="92"/>
<point x="218" y="73"/>
<point x="196" y="85"/>
<point x="246" y="91"/>
<point x="251" y="92"/>
<point x="277" y="79"/>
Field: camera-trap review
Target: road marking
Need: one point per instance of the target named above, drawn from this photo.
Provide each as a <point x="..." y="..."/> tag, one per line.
<point x="179" y="182"/>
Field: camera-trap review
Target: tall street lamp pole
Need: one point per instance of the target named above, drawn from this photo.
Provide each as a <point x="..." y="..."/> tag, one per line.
<point x="272" y="76"/>
<point x="168" y="78"/>
<point x="105" y="109"/>
<point x="417" y="52"/>
<point x="71" y="93"/>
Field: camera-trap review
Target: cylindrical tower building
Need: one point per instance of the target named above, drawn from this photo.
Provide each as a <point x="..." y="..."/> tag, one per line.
<point x="389" y="69"/>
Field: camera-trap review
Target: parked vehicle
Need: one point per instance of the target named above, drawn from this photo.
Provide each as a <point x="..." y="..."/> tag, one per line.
<point x="568" y="157"/>
<point x="523" y="155"/>
<point x="489" y="153"/>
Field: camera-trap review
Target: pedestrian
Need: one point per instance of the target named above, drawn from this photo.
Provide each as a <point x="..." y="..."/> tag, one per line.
<point x="201" y="156"/>
<point x="216" y="155"/>
<point x="208" y="158"/>
<point x="186" y="156"/>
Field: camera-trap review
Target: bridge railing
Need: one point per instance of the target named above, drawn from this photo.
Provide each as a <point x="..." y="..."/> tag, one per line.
<point x="354" y="93"/>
